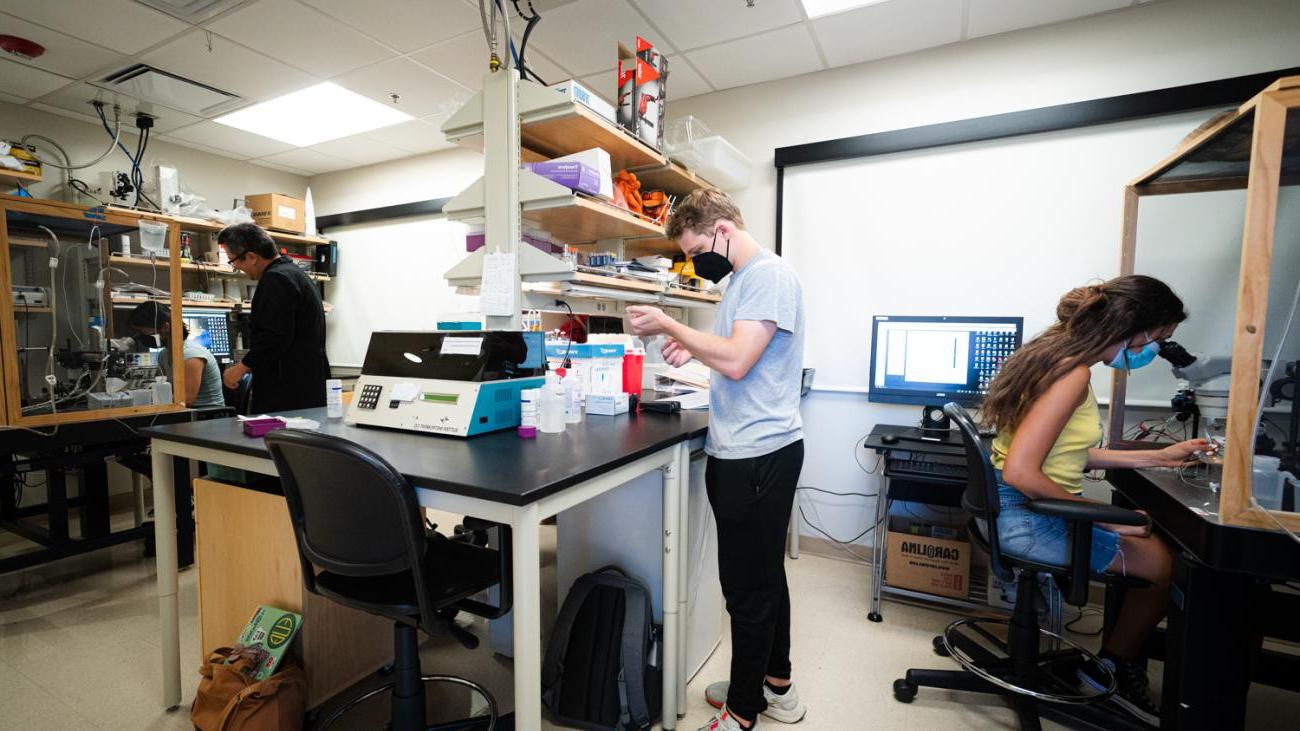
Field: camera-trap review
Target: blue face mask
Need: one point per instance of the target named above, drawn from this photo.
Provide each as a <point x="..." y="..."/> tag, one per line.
<point x="1126" y="361"/>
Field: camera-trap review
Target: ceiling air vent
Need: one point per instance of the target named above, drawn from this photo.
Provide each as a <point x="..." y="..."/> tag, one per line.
<point x="193" y="11"/>
<point x="149" y="84"/>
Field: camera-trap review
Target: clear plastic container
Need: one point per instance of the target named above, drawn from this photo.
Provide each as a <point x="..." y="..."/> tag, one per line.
<point x="552" y="406"/>
<point x="153" y="236"/>
<point x="681" y="133"/>
<point x="334" y="398"/>
<point x="717" y="161"/>
<point x="162" y="390"/>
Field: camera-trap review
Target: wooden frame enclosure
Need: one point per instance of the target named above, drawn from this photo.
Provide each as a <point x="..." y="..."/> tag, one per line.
<point x="81" y="219"/>
<point x="1256" y="148"/>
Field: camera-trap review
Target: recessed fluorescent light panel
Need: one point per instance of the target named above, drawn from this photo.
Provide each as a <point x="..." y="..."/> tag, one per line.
<point x="316" y="114"/>
<point x="818" y="8"/>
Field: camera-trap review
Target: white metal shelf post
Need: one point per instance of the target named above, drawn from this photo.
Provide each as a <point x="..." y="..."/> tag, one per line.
<point x="503" y="227"/>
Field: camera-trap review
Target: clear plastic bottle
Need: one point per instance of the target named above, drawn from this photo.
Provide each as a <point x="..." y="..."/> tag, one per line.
<point x="162" y="390"/>
<point x="334" y="398"/>
<point x="572" y="396"/>
<point x="552" y="416"/>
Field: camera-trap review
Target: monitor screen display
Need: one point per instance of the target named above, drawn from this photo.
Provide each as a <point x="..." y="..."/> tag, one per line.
<point x="209" y="328"/>
<point x="932" y="360"/>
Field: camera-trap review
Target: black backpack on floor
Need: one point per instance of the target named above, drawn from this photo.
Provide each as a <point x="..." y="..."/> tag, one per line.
<point x="602" y="666"/>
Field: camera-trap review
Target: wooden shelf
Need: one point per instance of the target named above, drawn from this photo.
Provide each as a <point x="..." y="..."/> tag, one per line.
<point x="588" y="220"/>
<point x="598" y="280"/>
<point x="690" y="294"/>
<point x="198" y="224"/>
<point x="210" y="269"/>
<point x="20" y="310"/>
<point x="14" y="178"/>
<point x="220" y="304"/>
<point x="671" y="177"/>
<point x="618" y="283"/>
<point x="33" y="243"/>
<point x="582" y="129"/>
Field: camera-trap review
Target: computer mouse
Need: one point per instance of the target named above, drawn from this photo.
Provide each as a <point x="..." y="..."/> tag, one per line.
<point x="889" y="439"/>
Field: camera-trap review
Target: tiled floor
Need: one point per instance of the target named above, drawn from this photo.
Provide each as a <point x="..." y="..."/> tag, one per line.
<point x="79" y="650"/>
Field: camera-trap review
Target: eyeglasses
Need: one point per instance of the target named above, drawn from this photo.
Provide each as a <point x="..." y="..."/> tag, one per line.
<point x="237" y="259"/>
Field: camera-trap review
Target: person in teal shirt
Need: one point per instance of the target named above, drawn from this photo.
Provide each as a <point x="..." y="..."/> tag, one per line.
<point x="202" y="376"/>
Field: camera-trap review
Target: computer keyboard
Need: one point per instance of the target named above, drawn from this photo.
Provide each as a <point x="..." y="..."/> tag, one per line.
<point x="918" y="464"/>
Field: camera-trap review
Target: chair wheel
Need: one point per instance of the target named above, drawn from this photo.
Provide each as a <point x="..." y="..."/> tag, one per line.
<point x="940" y="648"/>
<point x="904" y="691"/>
<point x="875" y="617"/>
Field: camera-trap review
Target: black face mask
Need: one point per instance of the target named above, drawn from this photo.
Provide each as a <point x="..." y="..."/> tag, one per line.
<point x="712" y="265"/>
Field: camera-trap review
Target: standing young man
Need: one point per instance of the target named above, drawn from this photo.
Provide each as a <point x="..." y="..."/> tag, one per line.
<point x="755" y="442"/>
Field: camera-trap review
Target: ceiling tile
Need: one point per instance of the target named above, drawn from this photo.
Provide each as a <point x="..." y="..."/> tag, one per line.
<point x="11" y="99"/>
<point x="360" y="150"/>
<point x="309" y="160"/>
<point x="237" y="142"/>
<point x="122" y="25"/>
<point x="405" y="24"/>
<point x="63" y="53"/>
<point x="228" y="66"/>
<point x="76" y="99"/>
<point x="192" y="145"/>
<point x="583" y="36"/>
<point x="422" y="91"/>
<point x="419" y="135"/>
<point x="298" y="35"/>
<point x="691" y="23"/>
<point x="888" y="29"/>
<point x="464" y="60"/>
<point x="772" y="55"/>
<point x="28" y="82"/>
<point x="987" y="17"/>
<point x="282" y="168"/>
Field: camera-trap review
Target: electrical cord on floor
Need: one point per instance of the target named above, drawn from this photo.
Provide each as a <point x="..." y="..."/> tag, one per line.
<point x="841" y="545"/>
<point x="880" y="457"/>
<point x="838" y="494"/>
<point x="1084" y="612"/>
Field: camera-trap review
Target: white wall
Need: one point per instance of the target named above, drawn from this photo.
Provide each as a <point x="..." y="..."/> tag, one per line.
<point x="1151" y="47"/>
<point x="219" y="179"/>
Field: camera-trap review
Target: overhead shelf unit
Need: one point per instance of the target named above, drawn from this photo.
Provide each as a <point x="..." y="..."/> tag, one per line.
<point x="18" y="178"/>
<point x="552" y="124"/>
<point x="1255" y="148"/>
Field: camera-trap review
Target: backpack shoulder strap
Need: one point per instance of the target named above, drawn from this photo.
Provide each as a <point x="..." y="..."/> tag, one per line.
<point x="636" y="616"/>
<point x="553" y="662"/>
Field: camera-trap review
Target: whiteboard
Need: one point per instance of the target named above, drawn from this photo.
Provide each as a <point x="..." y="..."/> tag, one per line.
<point x="391" y="278"/>
<point x="1004" y="228"/>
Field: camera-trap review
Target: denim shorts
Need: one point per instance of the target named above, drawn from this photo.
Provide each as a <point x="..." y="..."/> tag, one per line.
<point x="1044" y="538"/>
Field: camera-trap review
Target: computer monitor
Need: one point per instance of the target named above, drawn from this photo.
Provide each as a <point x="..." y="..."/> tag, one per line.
<point x="933" y="360"/>
<point x="209" y="328"/>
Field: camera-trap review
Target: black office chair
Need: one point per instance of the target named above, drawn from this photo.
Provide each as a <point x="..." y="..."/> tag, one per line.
<point x="1031" y="680"/>
<point x="362" y="542"/>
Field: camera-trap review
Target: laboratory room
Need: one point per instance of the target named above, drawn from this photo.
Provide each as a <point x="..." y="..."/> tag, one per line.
<point x="478" y="365"/>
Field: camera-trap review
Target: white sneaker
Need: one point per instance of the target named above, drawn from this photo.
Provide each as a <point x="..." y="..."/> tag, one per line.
<point x="723" y="721"/>
<point x="785" y="708"/>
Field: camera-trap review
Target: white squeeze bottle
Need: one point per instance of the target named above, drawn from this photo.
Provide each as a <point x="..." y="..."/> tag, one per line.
<point x="572" y="396"/>
<point x="162" y="390"/>
<point x="552" y="419"/>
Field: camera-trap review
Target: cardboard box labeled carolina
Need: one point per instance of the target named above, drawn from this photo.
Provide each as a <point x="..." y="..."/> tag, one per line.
<point x="926" y="564"/>
<point x="278" y="212"/>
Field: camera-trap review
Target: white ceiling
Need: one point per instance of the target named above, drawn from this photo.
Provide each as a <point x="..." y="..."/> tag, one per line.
<point x="432" y="54"/>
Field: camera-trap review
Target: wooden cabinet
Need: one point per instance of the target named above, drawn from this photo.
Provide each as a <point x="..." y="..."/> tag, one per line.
<point x="247" y="557"/>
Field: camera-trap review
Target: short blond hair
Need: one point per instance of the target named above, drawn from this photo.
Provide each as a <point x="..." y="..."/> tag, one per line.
<point x="699" y="210"/>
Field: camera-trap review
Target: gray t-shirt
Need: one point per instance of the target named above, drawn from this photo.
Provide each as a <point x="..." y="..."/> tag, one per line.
<point x="759" y="413"/>
<point x="209" y="385"/>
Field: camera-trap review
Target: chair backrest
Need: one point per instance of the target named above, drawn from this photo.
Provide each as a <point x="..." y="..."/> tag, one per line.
<point x="981" y="496"/>
<point x="238" y="398"/>
<point x="353" y="513"/>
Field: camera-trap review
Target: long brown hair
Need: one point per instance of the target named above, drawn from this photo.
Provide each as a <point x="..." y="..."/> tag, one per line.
<point x="1087" y="320"/>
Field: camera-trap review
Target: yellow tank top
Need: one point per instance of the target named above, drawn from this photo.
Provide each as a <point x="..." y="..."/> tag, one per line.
<point x="1068" y="458"/>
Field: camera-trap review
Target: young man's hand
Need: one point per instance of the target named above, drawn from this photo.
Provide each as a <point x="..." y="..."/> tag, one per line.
<point x="647" y="320"/>
<point x="675" y="354"/>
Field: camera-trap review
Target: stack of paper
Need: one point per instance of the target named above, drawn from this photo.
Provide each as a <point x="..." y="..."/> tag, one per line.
<point x="694" y="374"/>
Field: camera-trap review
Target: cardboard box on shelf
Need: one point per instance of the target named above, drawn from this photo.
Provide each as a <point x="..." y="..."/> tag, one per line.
<point x="642" y="91"/>
<point x="278" y="212"/>
<point x="915" y="560"/>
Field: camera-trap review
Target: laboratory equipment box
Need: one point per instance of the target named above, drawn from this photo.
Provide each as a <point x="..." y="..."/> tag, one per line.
<point x="278" y="212"/>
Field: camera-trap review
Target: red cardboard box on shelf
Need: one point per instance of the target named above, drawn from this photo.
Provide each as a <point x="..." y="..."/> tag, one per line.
<point x="642" y="91"/>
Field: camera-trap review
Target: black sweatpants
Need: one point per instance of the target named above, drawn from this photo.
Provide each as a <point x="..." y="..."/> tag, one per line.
<point x="751" y="501"/>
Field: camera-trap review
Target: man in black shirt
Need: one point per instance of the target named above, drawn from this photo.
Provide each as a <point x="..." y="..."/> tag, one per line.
<point x="287" y="350"/>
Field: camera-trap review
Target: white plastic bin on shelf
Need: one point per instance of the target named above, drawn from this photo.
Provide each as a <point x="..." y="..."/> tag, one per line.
<point x="717" y="161"/>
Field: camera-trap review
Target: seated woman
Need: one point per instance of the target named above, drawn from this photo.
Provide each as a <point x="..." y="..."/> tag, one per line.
<point x="1049" y="428"/>
<point x="202" y="376"/>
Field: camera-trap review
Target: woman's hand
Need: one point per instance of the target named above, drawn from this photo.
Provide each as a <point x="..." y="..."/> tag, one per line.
<point x="1141" y="531"/>
<point x="1176" y="455"/>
